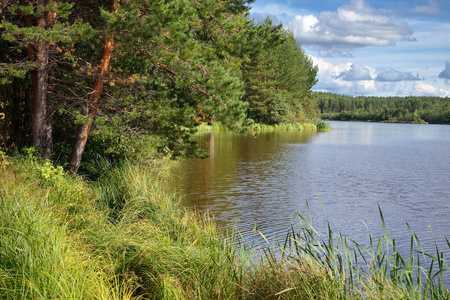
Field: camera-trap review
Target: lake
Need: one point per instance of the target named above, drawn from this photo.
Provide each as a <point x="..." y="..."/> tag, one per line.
<point x="342" y="175"/>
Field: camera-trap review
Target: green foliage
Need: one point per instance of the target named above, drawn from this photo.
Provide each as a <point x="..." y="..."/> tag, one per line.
<point x="175" y="64"/>
<point x="279" y="77"/>
<point x="170" y="71"/>
<point x="255" y="128"/>
<point x="411" y="109"/>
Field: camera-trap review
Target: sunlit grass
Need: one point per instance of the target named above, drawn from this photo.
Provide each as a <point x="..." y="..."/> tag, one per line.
<point x="40" y="257"/>
<point x="258" y="128"/>
<point x="283" y="127"/>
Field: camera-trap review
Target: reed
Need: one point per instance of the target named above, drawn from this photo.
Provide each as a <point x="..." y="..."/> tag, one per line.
<point x="174" y="253"/>
<point x="257" y="127"/>
<point x="217" y="126"/>
<point x="283" y="127"/>
<point x="322" y="125"/>
<point x="374" y="272"/>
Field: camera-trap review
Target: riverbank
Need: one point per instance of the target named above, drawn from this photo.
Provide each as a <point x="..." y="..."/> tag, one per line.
<point x="125" y="237"/>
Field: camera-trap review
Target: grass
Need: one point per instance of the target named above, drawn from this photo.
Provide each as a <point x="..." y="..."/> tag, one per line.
<point x="40" y="255"/>
<point x="283" y="127"/>
<point x="322" y="125"/>
<point x="379" y="271"/>
<point x="125" y="236"/>
<point x="255" y="128"/>
<point x="121" y="237"/>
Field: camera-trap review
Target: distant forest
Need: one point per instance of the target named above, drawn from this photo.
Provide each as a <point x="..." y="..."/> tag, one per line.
<point x="411" y="109"/>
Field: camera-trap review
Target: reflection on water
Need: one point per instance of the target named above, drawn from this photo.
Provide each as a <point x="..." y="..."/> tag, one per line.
<point x="343" y="174"/>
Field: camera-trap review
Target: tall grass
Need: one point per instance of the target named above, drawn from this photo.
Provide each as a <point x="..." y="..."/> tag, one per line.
<point x="283" y="127"/>
<point x="217" y="126"/>
<point x="174" y="253"/>
<point x="256" y="127"/>
<point x="121" y="237"/>
<point x="374" y="272"/>
<point x="125" y="236"/>
<point x="40" y="256"/>
<point x="322" y="125"/>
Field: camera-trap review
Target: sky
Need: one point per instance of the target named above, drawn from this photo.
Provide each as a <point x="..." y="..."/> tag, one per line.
<point x="370" y="47"/>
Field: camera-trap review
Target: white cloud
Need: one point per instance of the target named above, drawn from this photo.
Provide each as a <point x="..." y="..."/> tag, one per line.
<point x="394" y="75"/>
<point x="327" y="69"/>
<point x="351" y="26"/>
<point x="431" y="9"/>
<point x="305" y="23"/>
<point x="356" y="73"/>
<point x="427" y="89"/>
<point x="345" y="78"/>
<point x="446" y="73"/>
<point x="357" y="79"/>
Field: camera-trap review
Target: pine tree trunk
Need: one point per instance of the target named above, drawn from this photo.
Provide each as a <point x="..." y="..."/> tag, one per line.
<point x="38" y="52"/>
<point x="99" y="79"/>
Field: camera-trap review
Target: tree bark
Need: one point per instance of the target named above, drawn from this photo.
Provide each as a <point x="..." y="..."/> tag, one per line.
<point x="38" y="52"/>
<point x="99" y="79"/>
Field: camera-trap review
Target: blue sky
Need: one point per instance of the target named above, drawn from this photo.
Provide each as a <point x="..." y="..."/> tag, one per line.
<point x="371" y="47"/>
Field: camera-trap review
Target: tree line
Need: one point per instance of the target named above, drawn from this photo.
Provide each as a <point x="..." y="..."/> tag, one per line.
<point x="410" y="109"/>
<point x="85" y="78"/>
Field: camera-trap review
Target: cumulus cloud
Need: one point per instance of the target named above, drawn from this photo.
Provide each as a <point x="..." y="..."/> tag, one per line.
<point x="355" y="79"/>
<point x="446" y="73"/>
<point x="351" y="26"/>
<point x="337" y="78"/>
<point x="394" y="75"/>
<point x="431" y="9"/>
<point x="356" y="73"/>
<point x="427" y="89"/>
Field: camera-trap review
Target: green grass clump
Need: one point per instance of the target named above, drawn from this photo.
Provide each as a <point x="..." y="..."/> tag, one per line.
<point x="257" y="127"/>
<point x="173" y="252"/>
<point x="374" y="272"/>
<point x="123" y="236"/>
<point x="283" y="127"/>
<point x="322" y="126"/>
<point x="279" y="278"/>
<point x="40" y="256"/>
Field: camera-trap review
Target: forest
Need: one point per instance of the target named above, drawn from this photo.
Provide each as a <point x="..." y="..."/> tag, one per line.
<point x="105" y="78"/>
<point x="411" y="109"/>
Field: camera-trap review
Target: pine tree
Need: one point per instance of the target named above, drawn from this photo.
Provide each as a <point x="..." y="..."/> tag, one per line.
<point x="279" y="77"/>
<point x="36" y="27"/>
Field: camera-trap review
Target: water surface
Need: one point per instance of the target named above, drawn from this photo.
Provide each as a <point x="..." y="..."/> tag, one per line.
<point x="343" y="175"/>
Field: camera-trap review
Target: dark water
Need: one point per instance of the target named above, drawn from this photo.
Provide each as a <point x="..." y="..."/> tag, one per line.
<point x="343" y="174"/>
